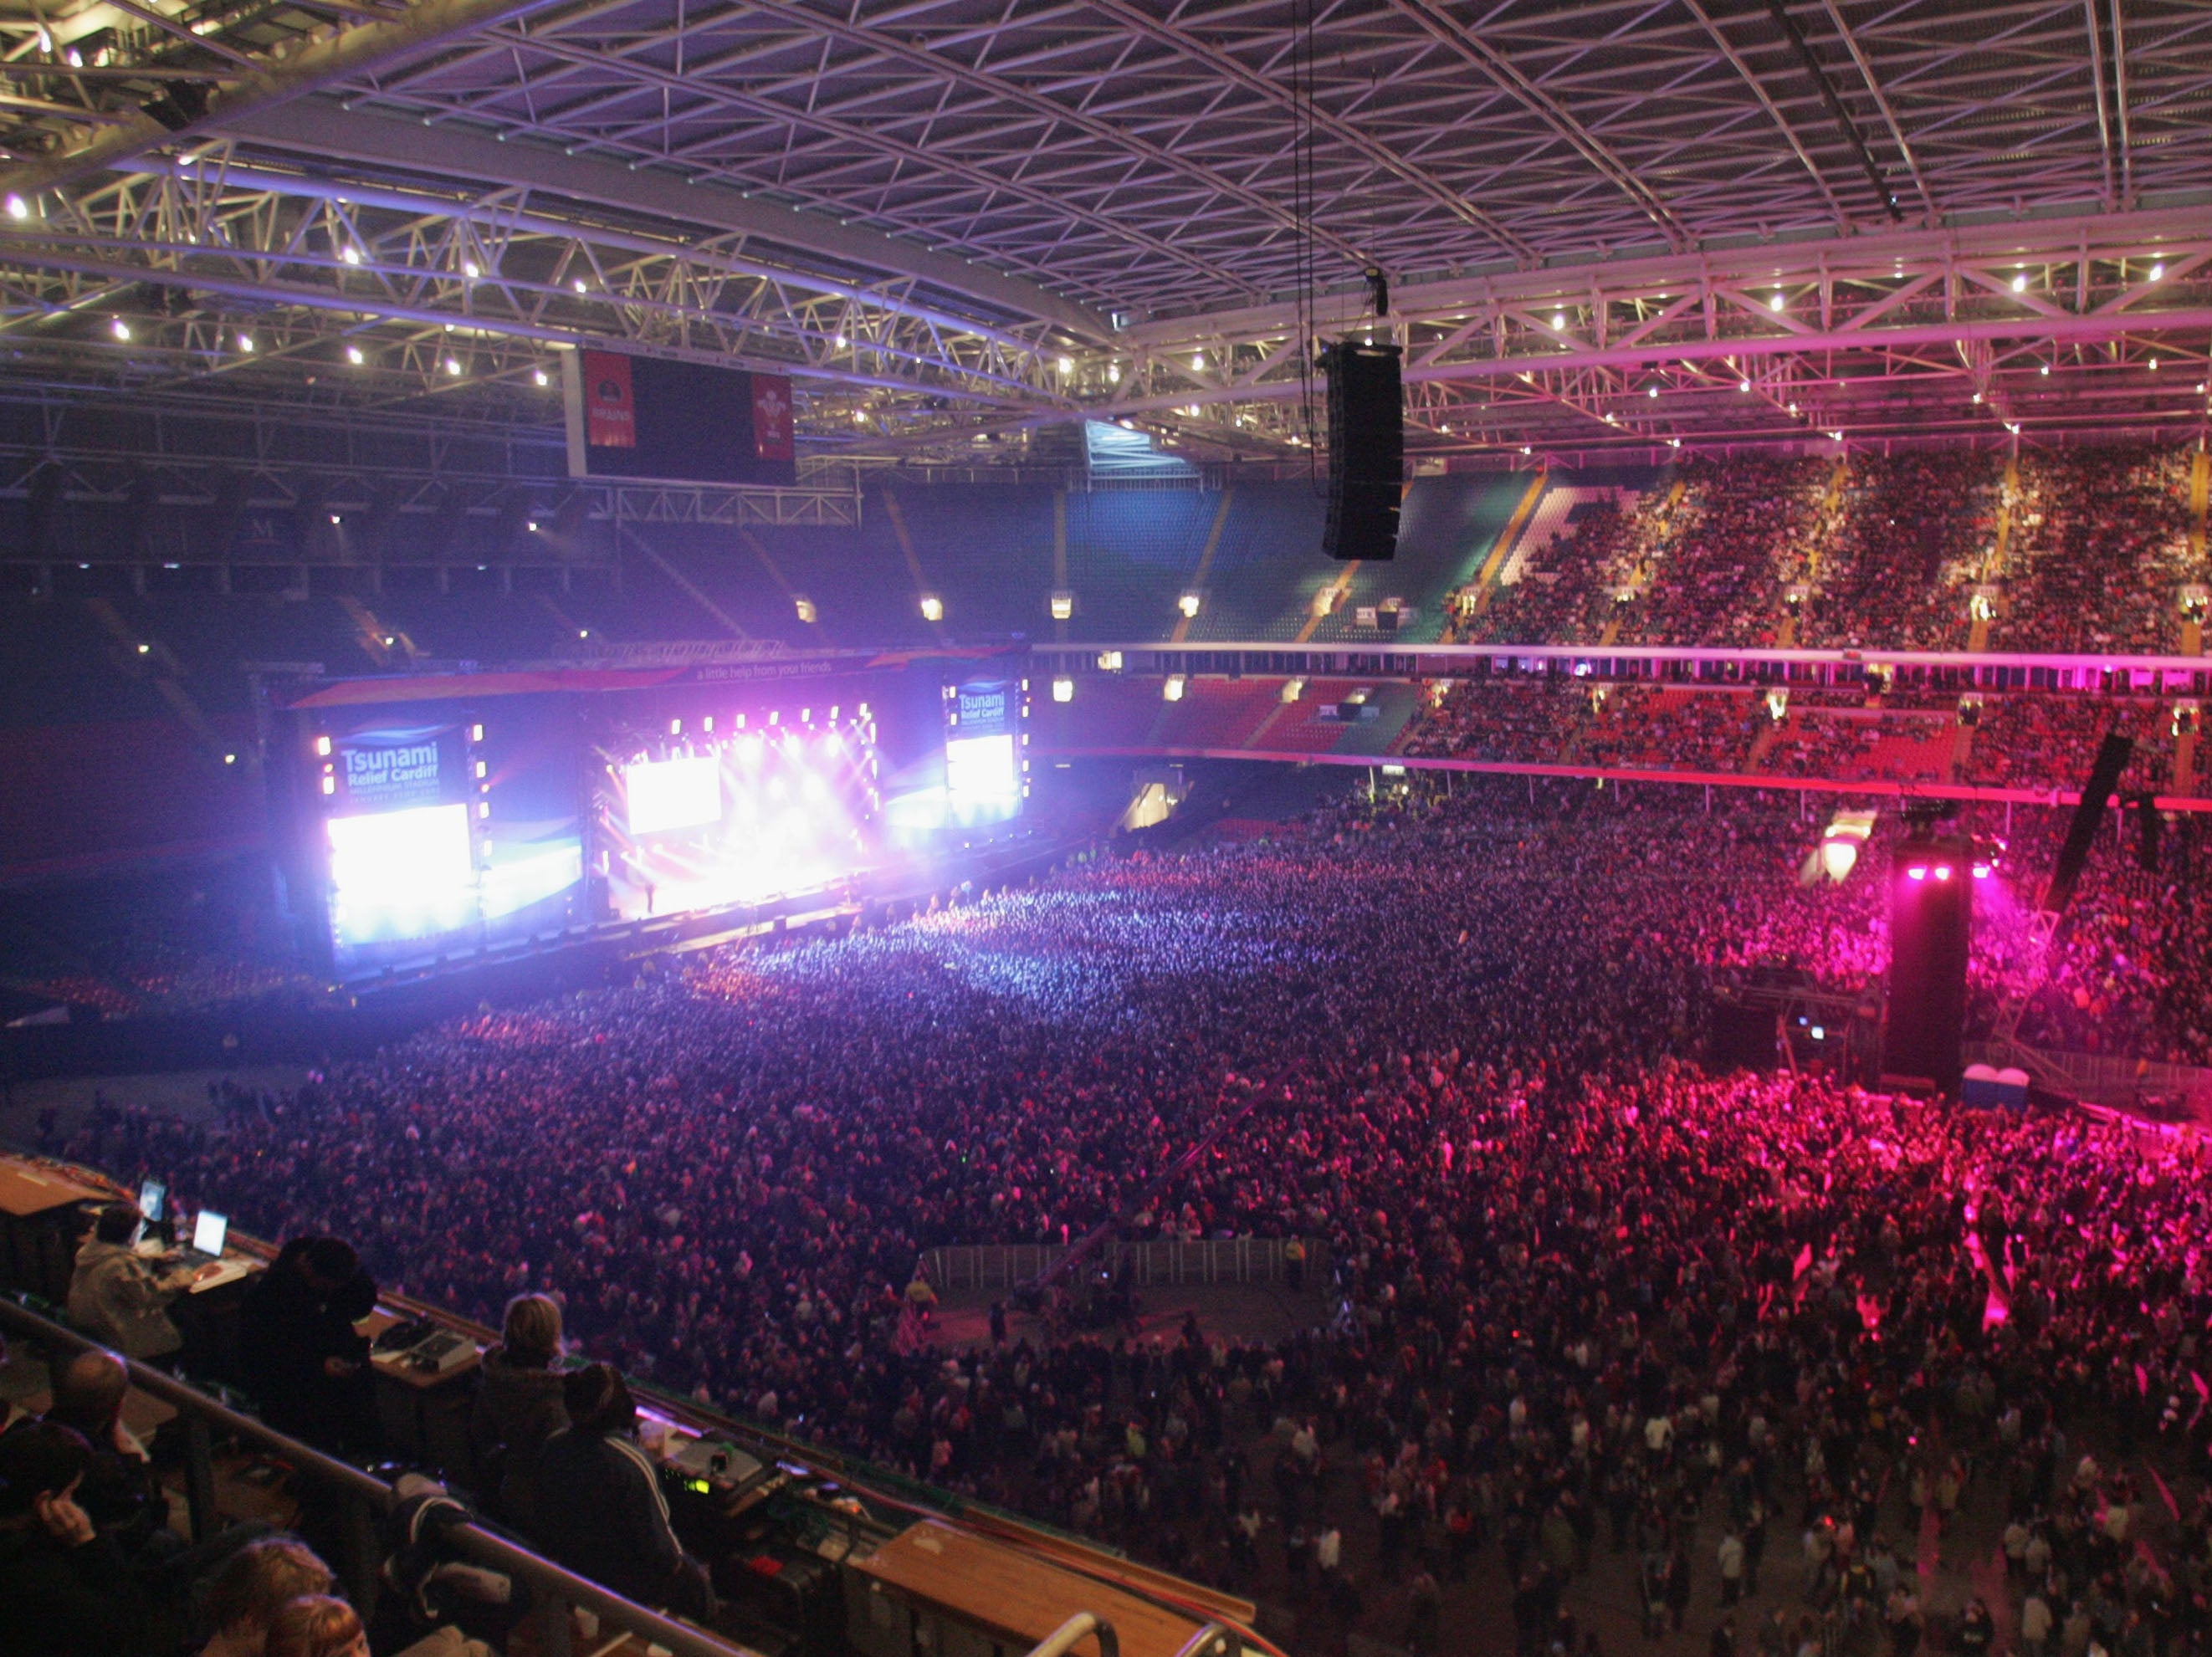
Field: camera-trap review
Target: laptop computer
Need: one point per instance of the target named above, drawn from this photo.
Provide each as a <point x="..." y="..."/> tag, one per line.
<point x="209" y="1229"/>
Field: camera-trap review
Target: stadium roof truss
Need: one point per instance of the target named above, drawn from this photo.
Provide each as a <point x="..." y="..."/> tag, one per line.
<point x="1609" y="225"/>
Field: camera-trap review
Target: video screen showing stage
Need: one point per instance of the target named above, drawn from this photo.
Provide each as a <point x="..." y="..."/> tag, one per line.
<point x="978" y="778"/>
<point x="441" y="833"/>
<point x="743" y="807"/>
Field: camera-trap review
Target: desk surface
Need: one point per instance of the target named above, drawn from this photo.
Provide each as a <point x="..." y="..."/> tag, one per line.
<point x="27" y="1189"/>
<point x="1013" y="1593"/>
<point x="395" y="1365"/>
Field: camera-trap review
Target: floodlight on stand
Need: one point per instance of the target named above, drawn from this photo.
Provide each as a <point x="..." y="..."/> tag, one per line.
<point x="1063" y="690"/>
<point x="1172" y="688"/>
<point x="932" y="607"/>
<point x="806" y="609"/>
<point x="1063" y="606"/>
<point x="1189" y="604"/>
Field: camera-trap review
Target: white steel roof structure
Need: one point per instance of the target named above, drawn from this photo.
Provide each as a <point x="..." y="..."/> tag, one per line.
<point x="1619" y="226"/>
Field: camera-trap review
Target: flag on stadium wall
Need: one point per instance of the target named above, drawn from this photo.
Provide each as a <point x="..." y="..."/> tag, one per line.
<point x="772" y="417"/>
<point x="610" y="403"/>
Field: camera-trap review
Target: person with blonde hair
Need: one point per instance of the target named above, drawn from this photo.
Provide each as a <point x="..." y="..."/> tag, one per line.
<point x="243" y="1598"/>
<point x="316" y="1625"/>
<point x="519" y="1406"/>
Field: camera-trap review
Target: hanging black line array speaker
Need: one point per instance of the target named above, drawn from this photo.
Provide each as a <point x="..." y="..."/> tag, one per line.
<point x="1366" y="451"/>
<point x="2112" y="756"/>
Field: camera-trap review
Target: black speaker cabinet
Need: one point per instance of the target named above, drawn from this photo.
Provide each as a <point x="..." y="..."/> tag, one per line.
<point x="1366" y="451"/>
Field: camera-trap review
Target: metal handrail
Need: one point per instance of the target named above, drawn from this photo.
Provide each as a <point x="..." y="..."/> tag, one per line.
<point x="683" y="1639"/>
<point x="1214" y="1640"/>
<point x="1073" y="1631"/>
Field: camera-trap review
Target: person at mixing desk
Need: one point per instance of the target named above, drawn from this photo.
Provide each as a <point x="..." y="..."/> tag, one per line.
<point x="304" y="1362"/>
<point x="119" y="1297"/>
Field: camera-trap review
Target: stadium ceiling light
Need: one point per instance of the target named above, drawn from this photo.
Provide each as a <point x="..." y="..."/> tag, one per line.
<point x="1113" y="374"/>
<point x="145" y="649"/>
<point x="530" y="525"/>
<point x="1197" y="362"/>
<point x="2044" y="371"/>
<point x="837" y="342"/>
<point x="1171" y="688"/>
<point x="349" y="254"/>
<point x="2020" y="283"/>
<point x="354" y="356"/>
<point x="580" y="286"/>
<point x="1977" y="397"/>
<point x="453" y="366"/>
<point x="540" y="379"/>
<point x="2154" y="365"/>
<point x="2158" y="270"/>
<point x="1063" y="606"/>
<point x="471" y="269"/>
<point x="1189" y="604"/>
<point x="932" y="607"/>
<point x="18" y="208"/>
<point x="1778" y="303"/>
<point x="245" y="343"/>
<point x="1559" y="322"/>
<point x="1743" y="385"/>
<point x="119" y="328"/>
<point x="1793" y="407"/>
<point x="1066" y="364"/>
<point x="1063" y="690"/>
<point x="860" y="416"/>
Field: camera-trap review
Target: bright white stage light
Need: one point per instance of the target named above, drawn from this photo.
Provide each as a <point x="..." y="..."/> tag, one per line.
<point x="679" y="793"/>
<point x="1063" y="690"/>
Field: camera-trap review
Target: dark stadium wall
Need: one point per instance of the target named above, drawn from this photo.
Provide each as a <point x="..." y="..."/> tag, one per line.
<point x="77" y="797"/>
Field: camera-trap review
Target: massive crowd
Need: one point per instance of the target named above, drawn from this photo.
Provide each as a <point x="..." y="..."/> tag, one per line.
<point x="1589" y="1300"/>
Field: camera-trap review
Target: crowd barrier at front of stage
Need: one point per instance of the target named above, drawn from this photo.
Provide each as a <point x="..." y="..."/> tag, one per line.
<point x="1217" y="1260"/>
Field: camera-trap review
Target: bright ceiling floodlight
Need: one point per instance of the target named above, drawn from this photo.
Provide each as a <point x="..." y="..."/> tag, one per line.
<point x="540" y="379"/>
<point x="1189" y="604"/>
<point x="1063" y="690"/>
<point x="453" y="366"/>
<point x="933" y="608"/>
<point x="806" y="609"/>
<point x="1113" y="374"/>
<point x="581" y="286"/>
<point x="1778" y="303"/>
<point x="1063" y="606"/>
<point x="1067" y="365"/>
<point x="1197" y="362"/>
<point x="349" y="254"/>
<point x="1918" y="871"/>
<point x="245" y="343"/>
<point x="119" y="328"/>
<point x="1651" y="391"/>
<point x="2020" y="283"/>
<point x="1559" y="322"/>
<point x="1172" y="688"/>
<point x="471" y="269"/>
<point x="1942" y="871"/>
<point x="354" y="356"/>
<point x="18" y="208"/>
<point x="2158" y="270"/>
<point x="530" y="525"/>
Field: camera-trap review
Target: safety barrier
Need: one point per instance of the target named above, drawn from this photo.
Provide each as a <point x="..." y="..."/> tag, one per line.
<point x="1216" y="1259"/>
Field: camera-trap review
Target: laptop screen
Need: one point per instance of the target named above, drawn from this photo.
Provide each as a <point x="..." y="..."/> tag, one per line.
<point x="151" y="1196"/>
<point x="210" y="1231"/>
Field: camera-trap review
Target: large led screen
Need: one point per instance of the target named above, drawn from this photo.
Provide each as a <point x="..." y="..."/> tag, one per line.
<point x="981" y="782"/>
<point x="678" y="794"/>
<point x="401" y="875"/>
